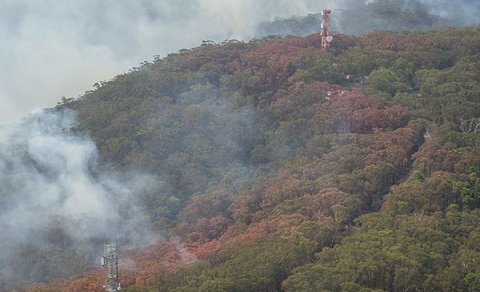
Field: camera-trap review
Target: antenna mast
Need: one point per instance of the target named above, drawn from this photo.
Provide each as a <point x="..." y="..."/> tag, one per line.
<point x="110" y="263"/>
<point x="327" y="36"/>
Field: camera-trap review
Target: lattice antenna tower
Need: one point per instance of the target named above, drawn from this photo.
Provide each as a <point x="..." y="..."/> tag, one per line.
<point x="110" y="263"/>
<point x="327" y="36"/>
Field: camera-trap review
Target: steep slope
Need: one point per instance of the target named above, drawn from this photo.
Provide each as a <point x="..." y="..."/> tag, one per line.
<point x="265" y="156"/>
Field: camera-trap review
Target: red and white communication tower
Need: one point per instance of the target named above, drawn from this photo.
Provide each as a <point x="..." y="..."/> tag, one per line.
<point x="327" y="36"/>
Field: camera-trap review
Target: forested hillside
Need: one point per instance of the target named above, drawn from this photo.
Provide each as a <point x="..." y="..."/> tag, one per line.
<point x="280" y="167"/>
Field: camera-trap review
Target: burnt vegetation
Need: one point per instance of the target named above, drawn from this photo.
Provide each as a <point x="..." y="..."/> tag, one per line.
<point x="284" y="167"/>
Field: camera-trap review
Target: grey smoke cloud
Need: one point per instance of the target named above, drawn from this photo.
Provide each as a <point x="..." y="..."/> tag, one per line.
<point x="53" y="48"/>
<point x="60" y="48"/>
<point x="48" y="177"/>
<point x="463" y="12"/>
<point x="355" y="17"/>
<point x="56" y="48"/>
<point x="45" y="171"/>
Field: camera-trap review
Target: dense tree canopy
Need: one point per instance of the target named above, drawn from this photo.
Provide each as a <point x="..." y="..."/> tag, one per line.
<point x="279" y="166"/>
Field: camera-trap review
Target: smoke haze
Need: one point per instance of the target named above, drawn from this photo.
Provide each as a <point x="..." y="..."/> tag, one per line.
<point x="52" y="48"/>
<point x="355" y="17"/>
<point x="60" y="48"/>
<point x="48" y="176"/>
<point x="49" y="196"/>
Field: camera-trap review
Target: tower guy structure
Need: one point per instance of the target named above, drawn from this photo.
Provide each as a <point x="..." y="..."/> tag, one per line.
<point x="110" y="263"/>
<point x="327" y="36"/>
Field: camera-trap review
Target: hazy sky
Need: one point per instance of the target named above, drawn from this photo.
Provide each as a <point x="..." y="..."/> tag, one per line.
<point x="54" y="48"/>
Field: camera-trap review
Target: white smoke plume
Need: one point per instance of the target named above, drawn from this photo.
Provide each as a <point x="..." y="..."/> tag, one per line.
<point x="60" y="48"/>
<point x="53" y="48"/>
<point x="48" y="180"/>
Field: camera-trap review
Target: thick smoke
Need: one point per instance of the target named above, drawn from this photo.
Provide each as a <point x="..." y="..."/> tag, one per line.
<point x="51" y="196"/>
<point x="462" y="12"/>
<point x="53" y="200"/>
<point x="60" y="48"/>
<point x="358" y="17"/>
<point x="52" y="48"/>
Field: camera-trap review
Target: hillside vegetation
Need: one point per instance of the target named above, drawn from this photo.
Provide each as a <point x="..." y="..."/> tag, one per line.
<point x="281" y="167"/>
